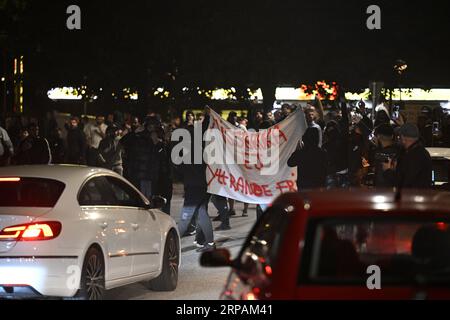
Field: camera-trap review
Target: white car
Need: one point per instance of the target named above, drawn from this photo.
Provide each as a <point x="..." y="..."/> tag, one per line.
<point x="74" y="231"/>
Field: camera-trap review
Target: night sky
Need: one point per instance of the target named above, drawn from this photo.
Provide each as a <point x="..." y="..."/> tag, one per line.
<point x="234" y="42"/>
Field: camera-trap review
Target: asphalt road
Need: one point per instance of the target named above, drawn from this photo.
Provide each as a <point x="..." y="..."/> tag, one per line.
<point x="195" y="282"/>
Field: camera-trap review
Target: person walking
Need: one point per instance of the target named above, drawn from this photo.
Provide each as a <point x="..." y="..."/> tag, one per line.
<point x="196" y="197"/>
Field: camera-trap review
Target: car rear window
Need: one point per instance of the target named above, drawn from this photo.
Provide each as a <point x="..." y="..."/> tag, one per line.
<point x="30" y="192"/>
<point x="406" y="252"/>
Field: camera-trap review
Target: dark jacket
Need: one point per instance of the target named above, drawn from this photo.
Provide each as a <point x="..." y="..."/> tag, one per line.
<point x="76" y="146"/>
<point x="311" y="162"/>
<point x="110" y="152"/>
<point x="414" y="169"/>
<point x="33" y="151"/>
<point x="58" y="149"/>
<point x="380" y="156"/>
<point x="163" y="185"/>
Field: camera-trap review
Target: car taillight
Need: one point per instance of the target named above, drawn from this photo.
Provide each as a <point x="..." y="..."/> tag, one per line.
<point x="31" y="232"/>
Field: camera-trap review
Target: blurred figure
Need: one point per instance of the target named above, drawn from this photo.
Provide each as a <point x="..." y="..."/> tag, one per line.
<point x="33" y="149"/>
<point x="337" y="153"/>
<point x="110" y="150"/>
<point x="413" y="169"/>
<point x="311" y="162"/>
<point x="76" y="143"/>
<point x="311" y="117"/>
<point x="243" y="123"/>
<point x="386" y="149"/>
<point x="269" y="118"/>
<point x="57" y="146"/>
<point x="233" y="118"/>
<point x="190" y="118"/>
<point x="129" y="142"/>
<point x="94" y="134"/>
<point x="6" y="148"/>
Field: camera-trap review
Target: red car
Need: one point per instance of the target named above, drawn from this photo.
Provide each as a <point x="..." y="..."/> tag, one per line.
<point x="357" y="244"/>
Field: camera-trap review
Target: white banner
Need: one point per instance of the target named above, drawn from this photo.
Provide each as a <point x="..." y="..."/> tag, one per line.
<point x="252" y="166"/>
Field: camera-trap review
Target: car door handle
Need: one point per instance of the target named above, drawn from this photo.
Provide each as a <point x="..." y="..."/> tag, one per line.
<point x="135" y="226"/>
<point x="103" y="225"/>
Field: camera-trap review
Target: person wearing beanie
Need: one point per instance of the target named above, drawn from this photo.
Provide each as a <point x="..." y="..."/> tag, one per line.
<point x="413" y="170"/>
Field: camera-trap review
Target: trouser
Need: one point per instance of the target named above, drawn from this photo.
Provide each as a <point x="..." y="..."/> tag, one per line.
<point x="190" y="208"/>
<point x="145" y="186"/>
<point x="221" y="205"/>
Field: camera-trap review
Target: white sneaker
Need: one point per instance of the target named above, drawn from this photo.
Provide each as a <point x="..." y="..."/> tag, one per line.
<point x="198" y="245"/>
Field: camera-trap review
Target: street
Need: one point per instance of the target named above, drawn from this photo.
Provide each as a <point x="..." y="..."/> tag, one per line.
<point x="195" y="282"/>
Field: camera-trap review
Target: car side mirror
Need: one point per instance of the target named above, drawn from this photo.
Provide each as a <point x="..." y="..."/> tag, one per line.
<point x="216" y="258"/>
<point x="157" y="202"/>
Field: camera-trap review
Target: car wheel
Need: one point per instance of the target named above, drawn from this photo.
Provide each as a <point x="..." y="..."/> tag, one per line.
<point x="92" y="285"/>
<point x="168" y="279"/>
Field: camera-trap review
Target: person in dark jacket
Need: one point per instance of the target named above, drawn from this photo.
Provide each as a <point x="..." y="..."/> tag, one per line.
<point x="386" y="149"/>
<point x="76" y="143"/>
<point x="413" y="170"/>
<point x="196" y="197"/>
<point x="337" y="155"/>
<point x="34" y="149"/>
<point x="57" y="146"/>
<point x="110" y="150"/>
<point x="311" y="162"/>
<point x="129" y="143"/>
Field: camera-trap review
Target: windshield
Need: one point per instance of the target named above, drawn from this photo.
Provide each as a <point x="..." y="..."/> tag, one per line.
<point x="340" y="252"/>
<point x="30" y="192"/>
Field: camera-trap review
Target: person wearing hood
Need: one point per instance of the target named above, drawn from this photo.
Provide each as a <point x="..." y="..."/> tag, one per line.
<point x="311" y="162"/>
<point x="110" y="150"/>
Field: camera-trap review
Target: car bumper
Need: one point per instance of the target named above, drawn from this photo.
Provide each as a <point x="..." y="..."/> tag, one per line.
<point x="46" y="276"/>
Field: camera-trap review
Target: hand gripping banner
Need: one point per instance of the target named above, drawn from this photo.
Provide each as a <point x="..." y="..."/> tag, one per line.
<point x="251" y="166"/>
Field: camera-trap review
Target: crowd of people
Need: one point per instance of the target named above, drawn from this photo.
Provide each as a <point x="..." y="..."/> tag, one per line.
<point x="342" y="148"/>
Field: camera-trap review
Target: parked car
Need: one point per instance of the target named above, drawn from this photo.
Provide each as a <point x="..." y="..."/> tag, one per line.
<point x="358" y="244"/>
<point x="74" y="231"/>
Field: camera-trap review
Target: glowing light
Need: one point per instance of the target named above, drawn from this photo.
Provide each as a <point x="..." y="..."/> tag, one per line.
<point x="64" y="93"/>
<point x="9" y="179"/>
<point x="379" y="199"/>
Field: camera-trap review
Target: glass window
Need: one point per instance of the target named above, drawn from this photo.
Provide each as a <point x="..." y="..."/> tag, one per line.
<point x="30" y="192"/>
<point x="339" y="252"/>
<point x="124" y="195"/>
<point x="94" y="193"/>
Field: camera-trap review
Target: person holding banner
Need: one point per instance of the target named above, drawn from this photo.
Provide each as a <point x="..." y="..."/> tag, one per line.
<point x="311" y="162"/>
